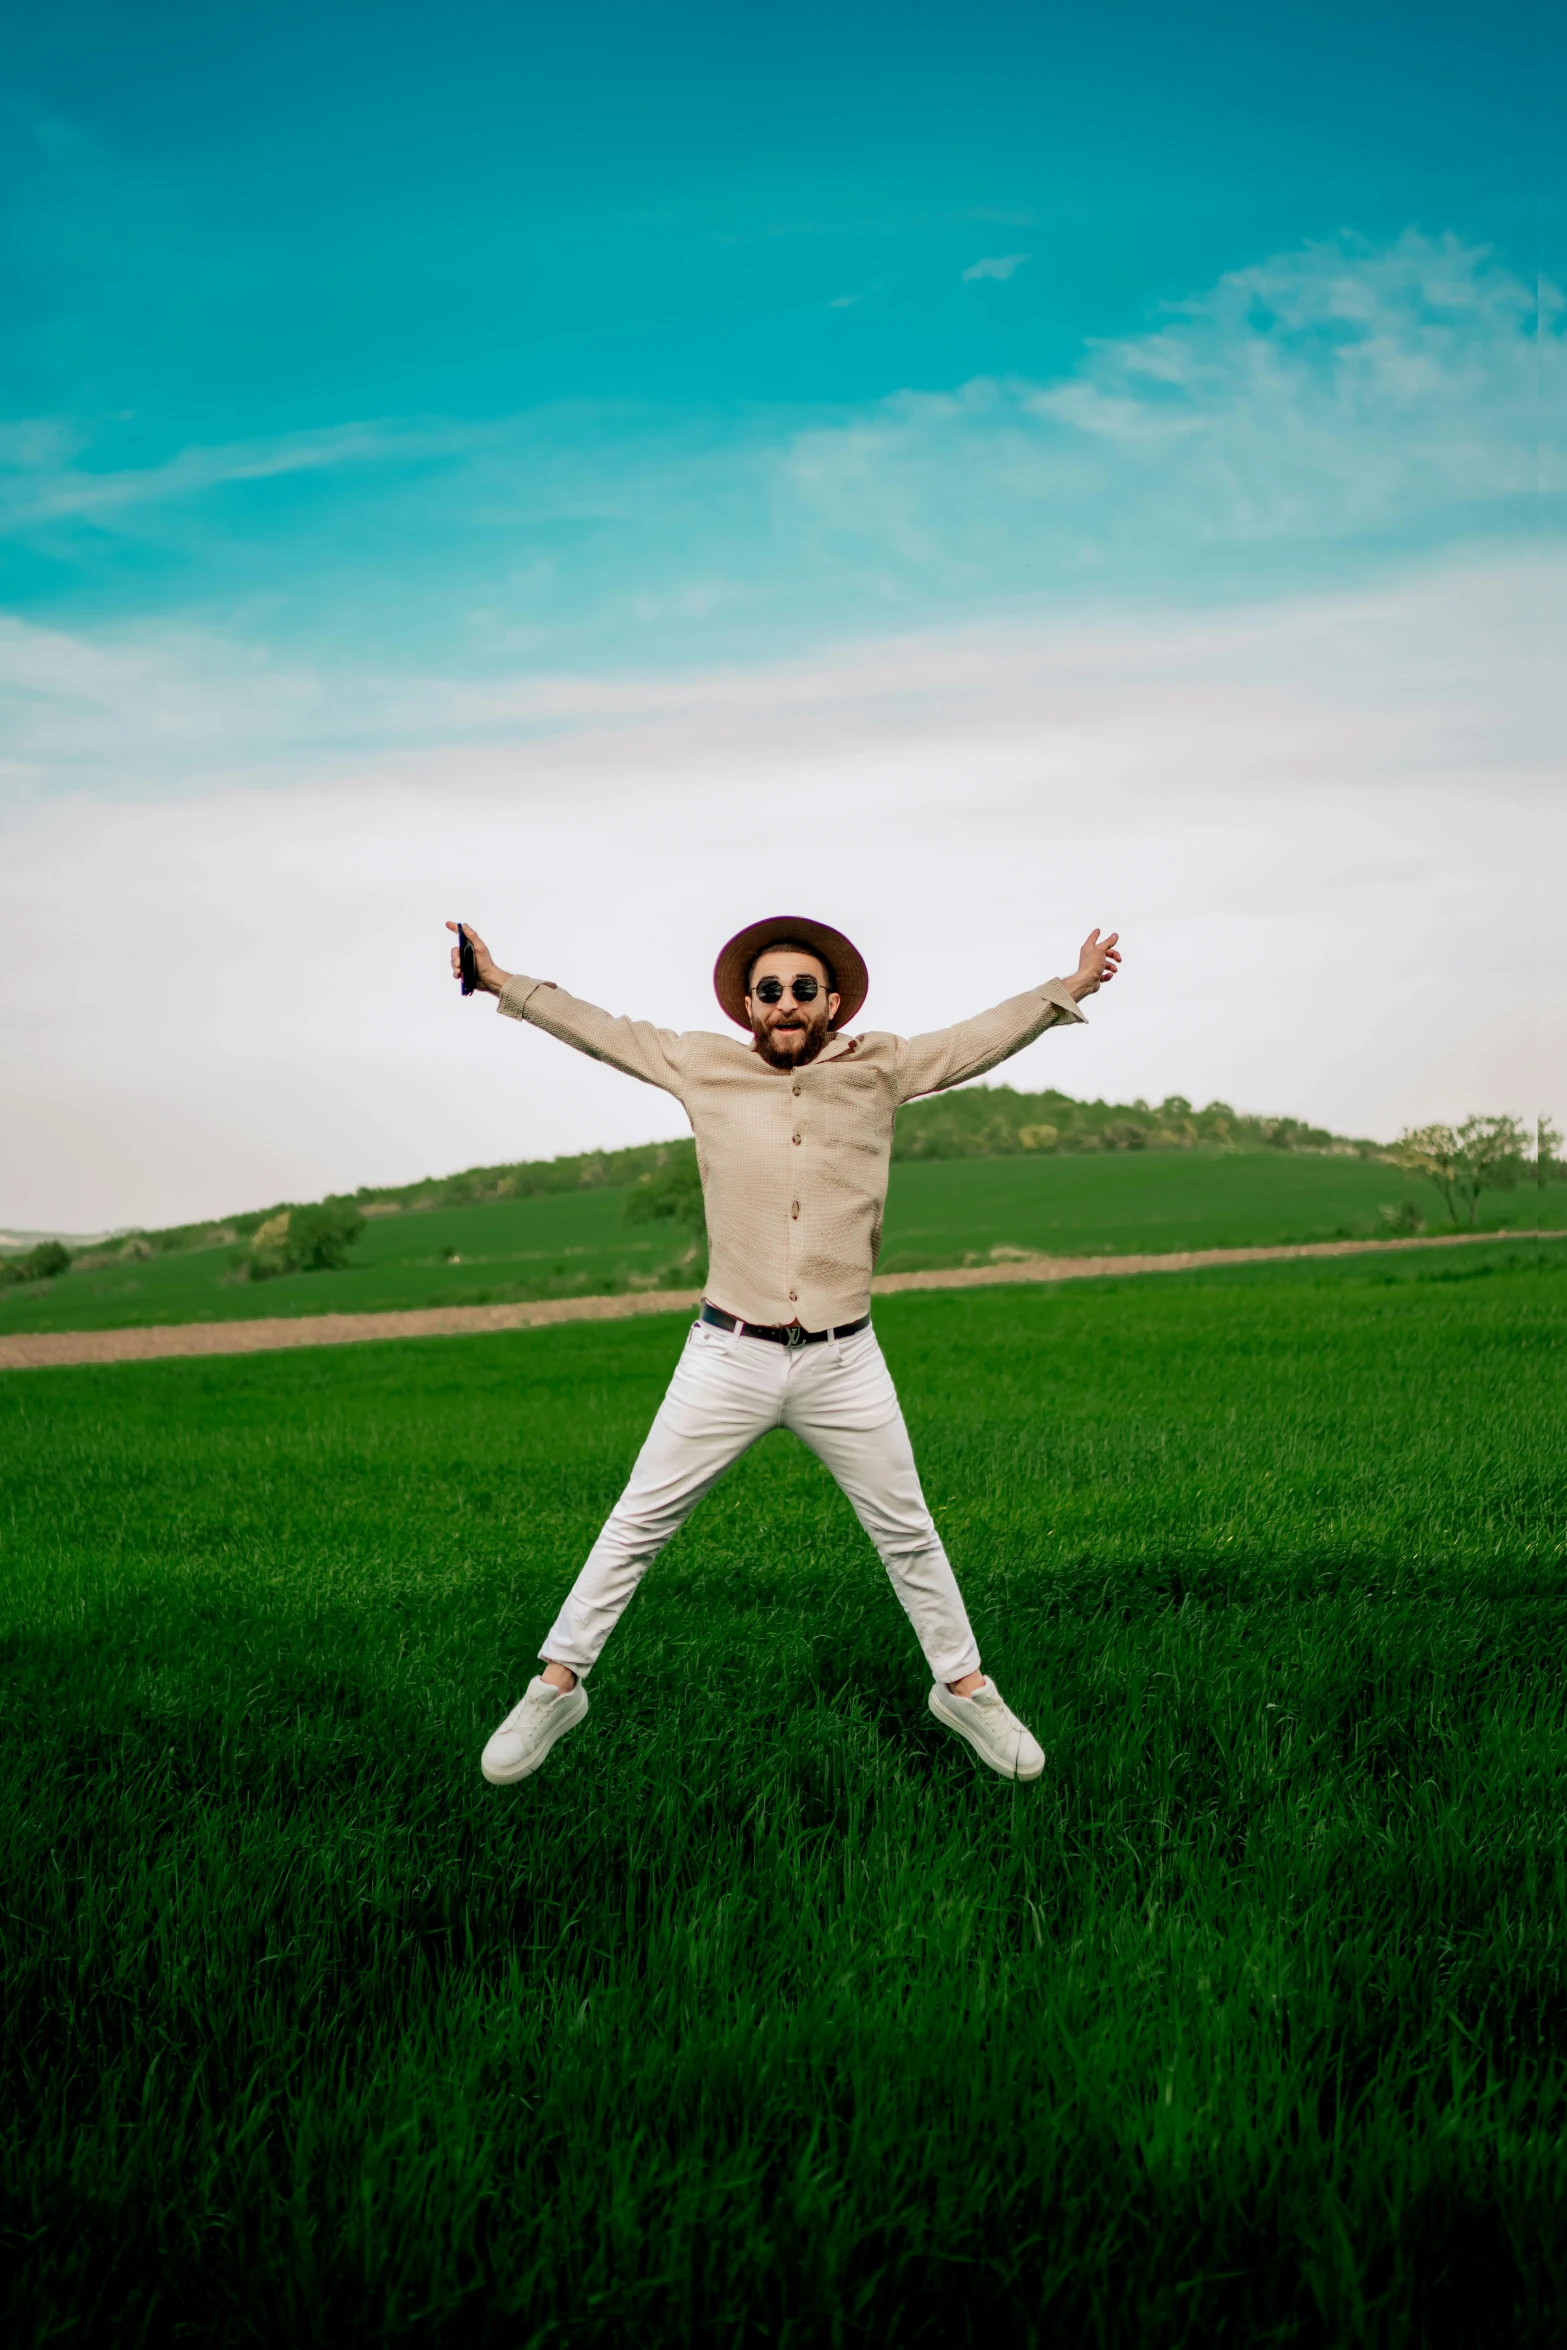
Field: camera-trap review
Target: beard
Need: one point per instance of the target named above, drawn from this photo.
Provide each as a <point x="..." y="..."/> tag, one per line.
<point x="816" y="1034"/>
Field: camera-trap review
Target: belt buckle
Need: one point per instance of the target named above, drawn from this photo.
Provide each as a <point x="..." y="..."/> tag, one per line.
<point x="794" y="1336"/>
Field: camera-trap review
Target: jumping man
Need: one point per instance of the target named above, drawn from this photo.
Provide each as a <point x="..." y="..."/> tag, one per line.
<point x="793" y="1140"/>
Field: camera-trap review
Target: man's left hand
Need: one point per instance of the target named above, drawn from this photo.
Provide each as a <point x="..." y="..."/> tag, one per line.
<point x="1097" y="964"/>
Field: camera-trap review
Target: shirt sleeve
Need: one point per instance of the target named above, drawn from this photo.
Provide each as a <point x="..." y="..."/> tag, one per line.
<point x="928" y="1064"/>
<point x="636" y="1046"/>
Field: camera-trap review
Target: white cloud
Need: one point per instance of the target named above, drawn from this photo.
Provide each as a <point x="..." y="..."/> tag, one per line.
<point x="1324" y="829"/>
<point x="1339" y="395"/>
<point x="998" y="265"/>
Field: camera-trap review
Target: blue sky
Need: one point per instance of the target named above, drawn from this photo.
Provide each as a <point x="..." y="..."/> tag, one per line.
<point x="484" y="335"/>
<point x="385" y="391"/>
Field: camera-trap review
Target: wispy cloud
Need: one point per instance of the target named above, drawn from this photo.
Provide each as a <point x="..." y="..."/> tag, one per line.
<point x="1337" y="394"/>
<point x="1386" y="378"/>
<point x="1303" y="420"/>
<point x="163" y="712"/>
<point x="34" y="445"/>
<point x="998" y="265"/>
<point x="42" y="482"/>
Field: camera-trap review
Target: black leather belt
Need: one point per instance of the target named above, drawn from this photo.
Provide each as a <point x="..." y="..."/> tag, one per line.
<point x="791" y="1335"/>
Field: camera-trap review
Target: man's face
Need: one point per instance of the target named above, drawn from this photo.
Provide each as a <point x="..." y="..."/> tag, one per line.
<point x="791" y="1031"/>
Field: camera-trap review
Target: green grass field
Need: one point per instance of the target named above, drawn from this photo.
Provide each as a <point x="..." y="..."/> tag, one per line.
<point x="939" y="1213"/>
<point x="760" y="2017"/>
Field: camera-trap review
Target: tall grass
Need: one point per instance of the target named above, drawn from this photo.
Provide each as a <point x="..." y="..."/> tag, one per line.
<point x="760" y="2015"/>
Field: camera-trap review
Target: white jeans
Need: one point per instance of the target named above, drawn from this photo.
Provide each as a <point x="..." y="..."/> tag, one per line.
<point x="726" y="1392"/>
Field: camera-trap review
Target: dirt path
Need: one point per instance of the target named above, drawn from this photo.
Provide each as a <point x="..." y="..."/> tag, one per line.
<point x="33" y="1350"/>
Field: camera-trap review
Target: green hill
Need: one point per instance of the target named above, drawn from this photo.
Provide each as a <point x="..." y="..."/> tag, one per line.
<point x="980" y="1175"/>
<point x="975" y="1122"/>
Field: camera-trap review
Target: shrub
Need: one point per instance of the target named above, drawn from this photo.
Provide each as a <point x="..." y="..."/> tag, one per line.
<point x="303" y="1240"/>
<point x="320" y="1237"/>
<point x="39" y="1264"/>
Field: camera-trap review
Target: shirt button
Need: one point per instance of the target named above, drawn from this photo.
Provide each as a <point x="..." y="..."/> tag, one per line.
<point x="797" y="1089"/>
<point x="794" y="1297"/>
<point x="797" y="1138"/>
<point x="794" y="1207"/>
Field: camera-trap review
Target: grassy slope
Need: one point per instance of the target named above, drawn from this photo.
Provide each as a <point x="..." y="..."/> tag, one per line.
<point x="938" y="1214"/>
<point x="760" y="2015"/>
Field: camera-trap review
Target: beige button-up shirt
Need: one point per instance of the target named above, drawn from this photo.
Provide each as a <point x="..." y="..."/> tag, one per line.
<point x="794" y="1162"/>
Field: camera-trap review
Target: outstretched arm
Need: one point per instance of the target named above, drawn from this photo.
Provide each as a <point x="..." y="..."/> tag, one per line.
<point x="636" y="1046"/>
<point x="949" y="1056"/>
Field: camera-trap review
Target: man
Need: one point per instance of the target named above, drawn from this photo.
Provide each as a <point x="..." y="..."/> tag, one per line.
<point x="793" y="1139"/>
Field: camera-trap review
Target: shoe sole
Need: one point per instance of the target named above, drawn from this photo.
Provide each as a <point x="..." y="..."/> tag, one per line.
<point x="541" y="1754"/>
<point x="1019" y="1778"/>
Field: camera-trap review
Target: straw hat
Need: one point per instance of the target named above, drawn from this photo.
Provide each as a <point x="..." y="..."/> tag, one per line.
<point x="851" y="980"/>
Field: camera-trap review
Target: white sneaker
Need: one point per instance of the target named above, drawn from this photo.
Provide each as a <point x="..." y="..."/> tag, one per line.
<point x="991" y="1728"/>
<point x="531" y="1729"/>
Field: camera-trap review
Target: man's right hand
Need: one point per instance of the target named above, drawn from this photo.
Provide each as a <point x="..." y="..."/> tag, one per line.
<point x="491" y="977"/>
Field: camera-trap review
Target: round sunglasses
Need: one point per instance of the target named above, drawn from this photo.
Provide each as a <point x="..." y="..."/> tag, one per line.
<point x="805" y="990"/>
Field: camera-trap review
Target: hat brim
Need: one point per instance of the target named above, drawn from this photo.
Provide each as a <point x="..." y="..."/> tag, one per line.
<point x="851" y="980"/>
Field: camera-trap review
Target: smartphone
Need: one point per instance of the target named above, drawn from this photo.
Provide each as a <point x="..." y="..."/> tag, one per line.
<point x="466" y="963"/>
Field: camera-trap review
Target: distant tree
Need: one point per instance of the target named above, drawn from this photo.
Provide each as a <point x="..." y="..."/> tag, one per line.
<point x="1431" y="1151"/>
<point x="1484" y="1154"/>
<point x="1493" y="1155"/>
<point x="1549" y="1165"/>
